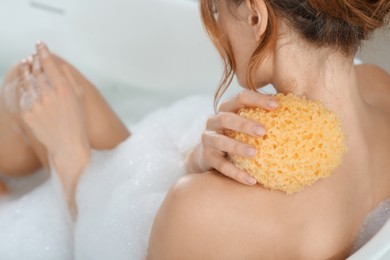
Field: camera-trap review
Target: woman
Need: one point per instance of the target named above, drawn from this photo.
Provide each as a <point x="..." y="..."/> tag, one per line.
<point x="190" y="207"/>
<point x="307" y="48"/>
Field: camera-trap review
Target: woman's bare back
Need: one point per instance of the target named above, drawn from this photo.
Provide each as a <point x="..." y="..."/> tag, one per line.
<point x="212" y="217"/>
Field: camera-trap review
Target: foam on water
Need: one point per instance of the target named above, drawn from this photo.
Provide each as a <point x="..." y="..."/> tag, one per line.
<point x="122" y="189"/>
<point x="372" y="224"/>
<point x="118" y="195"/>
<point x="37" y="225"/>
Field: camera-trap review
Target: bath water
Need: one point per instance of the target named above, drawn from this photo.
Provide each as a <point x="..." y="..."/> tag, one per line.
<point x="118" y="194"/>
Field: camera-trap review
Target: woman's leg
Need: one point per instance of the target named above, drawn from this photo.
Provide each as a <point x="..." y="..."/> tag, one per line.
<point x="105" y="129"/>
<point x="21" y="153"/>
<point x="18" y="156"/>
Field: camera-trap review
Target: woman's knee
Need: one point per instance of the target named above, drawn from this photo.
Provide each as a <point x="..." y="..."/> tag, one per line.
<point x="17" y="157"/>
<point x="20" y="163"/>
<point x="105" y="129"/>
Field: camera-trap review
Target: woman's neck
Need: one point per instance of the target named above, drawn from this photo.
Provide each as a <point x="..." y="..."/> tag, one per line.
<point x="330" y="78"/>
<point x="322" y="76"/>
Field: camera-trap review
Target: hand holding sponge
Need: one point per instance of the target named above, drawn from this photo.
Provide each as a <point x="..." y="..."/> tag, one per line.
<point x="304" y="143"/>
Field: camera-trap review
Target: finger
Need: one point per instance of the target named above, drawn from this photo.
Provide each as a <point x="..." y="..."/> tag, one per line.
<point x="26" y="76"/>
<point x="21" y="88"/>
<point x="30" y="83"/>
<point x="23" y="101"/>
<point x="27" y="92"/>
<point x="33" y="85"/>
<point x="49" y="66"/>
<point x="31" y="78"/>
<point x="36" y="66"/>
<point x="237" y="123"/>
<point x="226" y="144"/>
<point x="248" y="98"/>
<point x="228" y="169"/>
<point x="39" y="74"/>
<point x="30" y="60"/>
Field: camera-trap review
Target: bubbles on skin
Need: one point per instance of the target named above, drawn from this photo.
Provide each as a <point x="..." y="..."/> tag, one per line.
<point x="33" y="81"/>
<point x="9" y="95"/>
<point x="25" y="101"/>
<point x="28" y="98"/>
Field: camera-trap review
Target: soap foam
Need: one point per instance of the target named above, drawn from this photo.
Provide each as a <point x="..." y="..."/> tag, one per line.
<point x="122" y="189"/>
<point x="118" y="195"/>
<point x="36" y="226"/>
<point x="372" y="224"/>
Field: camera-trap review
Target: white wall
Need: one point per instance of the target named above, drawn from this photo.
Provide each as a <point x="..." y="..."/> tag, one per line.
<point x="144" y="43"/>
<point x="377" y="49"/>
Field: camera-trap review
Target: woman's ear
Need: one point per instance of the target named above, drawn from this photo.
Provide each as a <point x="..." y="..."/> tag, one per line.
<point x="257" y="17"/>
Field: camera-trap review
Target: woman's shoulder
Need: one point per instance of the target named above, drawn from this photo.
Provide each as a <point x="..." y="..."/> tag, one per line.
<point x="210" y="216"/>
<point x="374" y="83"/>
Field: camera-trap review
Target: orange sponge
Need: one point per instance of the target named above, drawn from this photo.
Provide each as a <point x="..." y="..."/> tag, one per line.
<point x="304" y="143"/>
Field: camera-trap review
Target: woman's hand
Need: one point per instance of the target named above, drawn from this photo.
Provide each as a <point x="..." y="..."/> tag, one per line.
<point x="50" y="104"/>
<point x="211" y="152"/>
<point x="51" y="108"/>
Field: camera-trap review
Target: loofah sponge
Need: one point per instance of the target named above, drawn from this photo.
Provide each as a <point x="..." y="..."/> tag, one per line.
<point x="304" y="143"/>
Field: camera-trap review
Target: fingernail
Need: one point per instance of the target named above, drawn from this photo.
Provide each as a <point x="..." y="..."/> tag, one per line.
<point x="42" y="48"/>
<point x="30" y="59"/>
<point x="259" y="130"/>
<point x="272" y="103"/>
<point x="250" y="180"/>
<point x="24" y="65"/>
<point x="250" y="151"/>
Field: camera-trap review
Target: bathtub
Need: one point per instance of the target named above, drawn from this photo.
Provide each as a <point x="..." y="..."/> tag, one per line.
<point x="106" y="42"/>
<point x="378" y="248"/>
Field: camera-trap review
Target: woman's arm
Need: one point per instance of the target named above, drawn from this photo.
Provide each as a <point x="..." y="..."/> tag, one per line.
<point x="51" y="107"/>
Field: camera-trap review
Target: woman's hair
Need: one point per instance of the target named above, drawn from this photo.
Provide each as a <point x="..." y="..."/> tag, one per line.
<point x="340" y="24"/>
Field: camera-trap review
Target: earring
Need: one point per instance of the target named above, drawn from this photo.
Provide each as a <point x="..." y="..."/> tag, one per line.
<point x="253" y="19"/>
